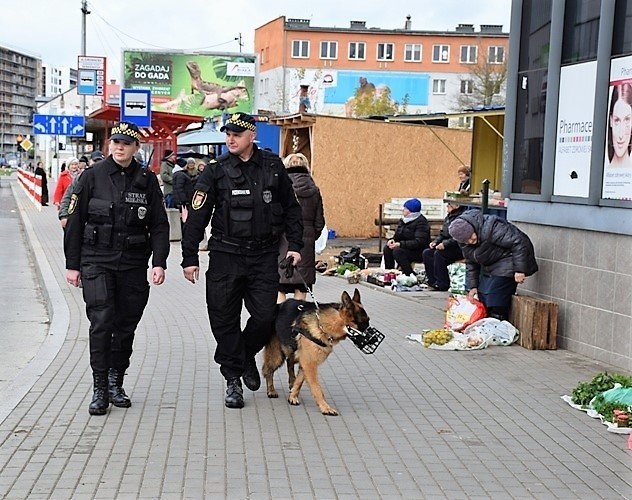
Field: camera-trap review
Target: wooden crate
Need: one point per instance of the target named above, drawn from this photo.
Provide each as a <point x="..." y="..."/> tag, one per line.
<point x="536" y="319"/>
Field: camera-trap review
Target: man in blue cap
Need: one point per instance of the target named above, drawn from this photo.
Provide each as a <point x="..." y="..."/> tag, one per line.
<point x="248" y="198"/>
<point x="411" y="237"/>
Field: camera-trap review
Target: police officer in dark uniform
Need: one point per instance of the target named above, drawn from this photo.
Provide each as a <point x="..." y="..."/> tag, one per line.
<point x="116" y="221"/>
<point x="248" y="198"/>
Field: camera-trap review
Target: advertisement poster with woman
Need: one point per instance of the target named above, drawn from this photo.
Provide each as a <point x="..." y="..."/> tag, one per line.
<point x="617" y="175"/>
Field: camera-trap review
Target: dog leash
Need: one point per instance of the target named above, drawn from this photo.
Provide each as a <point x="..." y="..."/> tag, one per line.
<point x="288" y="265"/>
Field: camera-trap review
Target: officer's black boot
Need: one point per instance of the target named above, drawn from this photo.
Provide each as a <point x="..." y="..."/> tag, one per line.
<point x="234" y="393"/>
<point x="251" y="375"/>
<point x="115" y="385"/>
<point x="100" y="397"/>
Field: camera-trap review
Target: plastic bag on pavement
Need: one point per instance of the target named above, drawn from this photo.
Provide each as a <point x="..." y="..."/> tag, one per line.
<point x="462" y="312"/>
<point x="500" y="332"/>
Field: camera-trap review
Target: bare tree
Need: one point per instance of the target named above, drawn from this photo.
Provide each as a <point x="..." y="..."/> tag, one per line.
<point x="483" y="86"/>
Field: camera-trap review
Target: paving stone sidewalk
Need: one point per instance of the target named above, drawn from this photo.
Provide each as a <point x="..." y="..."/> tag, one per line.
<point x="414" y="423"/>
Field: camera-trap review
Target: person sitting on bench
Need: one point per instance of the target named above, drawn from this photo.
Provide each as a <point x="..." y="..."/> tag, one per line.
<point x="411" y="237"/>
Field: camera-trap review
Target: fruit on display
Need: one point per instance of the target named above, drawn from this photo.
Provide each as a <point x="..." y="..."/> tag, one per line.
<point x="439" y="336"/>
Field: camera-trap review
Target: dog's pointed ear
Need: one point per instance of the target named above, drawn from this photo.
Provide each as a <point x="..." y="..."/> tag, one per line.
<point x="356" y="296"/>
<point x="346" y="299"/>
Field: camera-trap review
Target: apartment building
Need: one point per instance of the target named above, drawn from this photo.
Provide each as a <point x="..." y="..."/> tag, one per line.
<point x="424" y="71"/>
<point x="57" y="80"/>
<point x="20" y="77"/>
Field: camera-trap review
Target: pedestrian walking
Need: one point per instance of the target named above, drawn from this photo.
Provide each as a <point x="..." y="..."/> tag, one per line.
<point x="116" y="222"/>
<point x="247" y="197"/>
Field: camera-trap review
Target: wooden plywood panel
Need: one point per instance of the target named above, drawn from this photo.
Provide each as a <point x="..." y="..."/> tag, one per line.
<point x="536" y="319"/>
<point x="359" y="164"/>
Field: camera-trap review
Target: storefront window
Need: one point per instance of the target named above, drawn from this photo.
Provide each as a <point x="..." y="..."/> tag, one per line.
<point x="581" y="30"/>
<point x="622" y="36"/>
<point x="532" y="87"/>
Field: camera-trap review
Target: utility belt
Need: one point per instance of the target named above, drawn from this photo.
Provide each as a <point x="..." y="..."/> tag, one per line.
<point x="103" y="236"/>
<point x="247" y="244"/>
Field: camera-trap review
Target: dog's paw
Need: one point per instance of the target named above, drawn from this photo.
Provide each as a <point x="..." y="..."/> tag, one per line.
<point x="293" y="401"/>
<point x="329" y="411"/>
<point x="273" y="394"/>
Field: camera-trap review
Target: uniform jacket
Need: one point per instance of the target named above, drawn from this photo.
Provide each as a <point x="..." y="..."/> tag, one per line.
<point x="166" y="175"/>
<point x="116" y="219"/>
<point x="248" y="204"/>
<point x="502" y="249"/>
<point x="444" y="236"/>
<point x="311" y="203"/>
<point x="413" y="235"/>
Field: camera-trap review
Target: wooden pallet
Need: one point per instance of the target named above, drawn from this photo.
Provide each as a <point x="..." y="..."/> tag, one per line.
<point x="536" y="319"/>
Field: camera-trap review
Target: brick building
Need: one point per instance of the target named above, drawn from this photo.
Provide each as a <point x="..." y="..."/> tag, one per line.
<point x="425" y="70"/>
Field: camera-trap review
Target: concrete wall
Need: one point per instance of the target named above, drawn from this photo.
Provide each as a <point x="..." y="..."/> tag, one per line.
<point x="589" y="275"/>
<point x="359" y="164"/>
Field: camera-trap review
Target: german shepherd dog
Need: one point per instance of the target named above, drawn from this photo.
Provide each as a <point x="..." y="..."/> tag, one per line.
<point x="306" y="334"/>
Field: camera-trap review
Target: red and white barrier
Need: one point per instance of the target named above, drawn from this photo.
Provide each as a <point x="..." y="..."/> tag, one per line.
<point x="32" y="185"/>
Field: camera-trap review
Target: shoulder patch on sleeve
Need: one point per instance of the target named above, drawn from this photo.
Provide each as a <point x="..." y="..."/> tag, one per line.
<point x="74" y="198"/>
<point x="199" y="198"/>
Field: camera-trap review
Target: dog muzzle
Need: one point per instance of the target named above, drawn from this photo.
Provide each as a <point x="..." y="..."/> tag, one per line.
<point x="367" y="341"/>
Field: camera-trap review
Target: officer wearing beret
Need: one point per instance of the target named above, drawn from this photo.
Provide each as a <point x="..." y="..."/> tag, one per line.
<point x="116" y="222"/>
<point x="247" y="196"/>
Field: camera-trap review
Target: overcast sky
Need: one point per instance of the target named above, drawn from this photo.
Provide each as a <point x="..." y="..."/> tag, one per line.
<point x="51" y="29"/>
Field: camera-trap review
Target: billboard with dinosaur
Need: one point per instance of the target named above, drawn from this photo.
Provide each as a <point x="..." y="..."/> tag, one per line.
<point x="205" y="84"/>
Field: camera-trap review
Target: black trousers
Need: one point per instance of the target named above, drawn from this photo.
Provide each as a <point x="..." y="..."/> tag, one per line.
<point x="436" y="265"/>
<point x="236" y="280"/>
<point x="115" y="301"/>
<point x="404" y="258"/>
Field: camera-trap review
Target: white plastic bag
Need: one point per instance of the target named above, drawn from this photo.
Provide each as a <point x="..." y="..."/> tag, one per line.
<point x="321" y="243"/>
<point x="501" y="332"/>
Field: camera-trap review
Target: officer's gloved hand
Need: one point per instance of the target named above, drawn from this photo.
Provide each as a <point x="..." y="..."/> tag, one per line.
<point x="288" y="265"/>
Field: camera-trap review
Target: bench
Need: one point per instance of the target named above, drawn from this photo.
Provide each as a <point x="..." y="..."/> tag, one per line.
<point x="433" y="209"/>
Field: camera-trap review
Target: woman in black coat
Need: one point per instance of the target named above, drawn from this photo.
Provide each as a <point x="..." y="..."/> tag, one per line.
<point x="311" y="202"/>
<point x="498" y="257"/>
<point x="443" y="251"/>
<point x="39" y="170"/>
<point x="411" y="237"/>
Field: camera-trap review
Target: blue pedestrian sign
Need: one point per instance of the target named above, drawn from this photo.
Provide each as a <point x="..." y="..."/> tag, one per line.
<point x="136" y="107"/>
<point x="71" y="126"/>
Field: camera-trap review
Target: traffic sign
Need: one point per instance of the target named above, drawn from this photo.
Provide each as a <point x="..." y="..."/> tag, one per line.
<point x="91" y="75"/>
<point x="72" y="126"/>
<point x="87" y="82"/>
<point x="26" y="144"/>
<point x="136" y="107"/>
